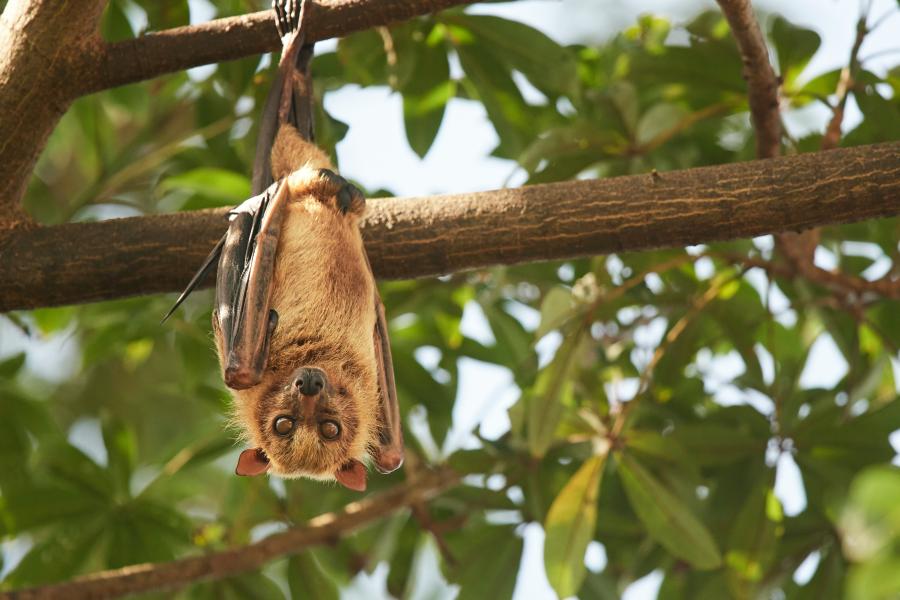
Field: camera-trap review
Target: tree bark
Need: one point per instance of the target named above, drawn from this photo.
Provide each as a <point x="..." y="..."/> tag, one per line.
<point x="418" y="237"/>
<point x="51" y="53"/>
<point x="762" y="83"/>
<point x="38" y="41"/>
<point x="231" y="38"/>
<point x="323" y="529"/>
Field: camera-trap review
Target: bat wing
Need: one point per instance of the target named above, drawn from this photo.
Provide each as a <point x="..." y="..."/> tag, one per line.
<point x="244" y="285"/>
<point x="388" y="453"/>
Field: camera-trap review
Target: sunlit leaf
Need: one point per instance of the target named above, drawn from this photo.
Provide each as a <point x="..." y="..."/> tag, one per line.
<point x="569" y="527"/>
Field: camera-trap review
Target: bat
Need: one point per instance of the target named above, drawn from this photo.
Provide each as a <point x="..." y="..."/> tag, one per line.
<point x="299" y="325"/>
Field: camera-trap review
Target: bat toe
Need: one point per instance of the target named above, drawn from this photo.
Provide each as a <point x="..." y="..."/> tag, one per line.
<point x="348" y="197"/>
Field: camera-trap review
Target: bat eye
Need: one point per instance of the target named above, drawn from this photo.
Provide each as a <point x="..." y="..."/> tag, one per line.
<point x="284" y="425"/>
<point x="329" y="430"/>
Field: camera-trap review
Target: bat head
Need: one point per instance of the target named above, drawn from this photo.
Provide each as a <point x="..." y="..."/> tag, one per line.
<point x="316" y="422"/>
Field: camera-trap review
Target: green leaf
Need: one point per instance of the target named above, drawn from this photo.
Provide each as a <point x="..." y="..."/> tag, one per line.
<point x="487" y="574"/>
<point x="307" y="579"/>
<point x="570" y="525"/>
<point x="10" y="366"/>
<point x="795" y="47"/>
<point x="552" y="391"/>
<point x="425" y="95"/>
<point x="667" y="519"/>
<point x="754" y="538"/>
<point x="556" y="308"/>
<point x="216" y="187"/>
<point x="548" y="66"/>
<point x="660" y="119"/>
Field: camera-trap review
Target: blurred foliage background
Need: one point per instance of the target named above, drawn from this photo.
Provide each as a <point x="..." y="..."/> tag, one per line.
<point x="656" y="391"/>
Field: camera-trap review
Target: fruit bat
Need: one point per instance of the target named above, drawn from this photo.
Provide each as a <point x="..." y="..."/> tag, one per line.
<point x="299" y="325"/>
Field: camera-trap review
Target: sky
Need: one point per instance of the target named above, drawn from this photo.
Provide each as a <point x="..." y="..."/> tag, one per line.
<point x="459" y="162"/>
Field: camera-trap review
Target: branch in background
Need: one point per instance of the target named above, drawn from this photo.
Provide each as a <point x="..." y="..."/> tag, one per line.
<point x="158" y="53"/>
<point x="799" y="248"/>
<point x="51" y="53"/>
<point x="36" y="39"/>
<point x="762" y="83"/>
<point x="406" y="238"/>
<point x="832" y="136"/>
<point x="218" y="565"/>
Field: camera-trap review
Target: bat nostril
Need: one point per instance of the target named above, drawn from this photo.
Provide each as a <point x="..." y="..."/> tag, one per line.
<point x="310" y="382"/>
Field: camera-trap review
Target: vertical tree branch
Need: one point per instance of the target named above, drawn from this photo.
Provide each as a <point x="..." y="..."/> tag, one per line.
<point x="38" y="38"/>
<point x="762" y="83"/>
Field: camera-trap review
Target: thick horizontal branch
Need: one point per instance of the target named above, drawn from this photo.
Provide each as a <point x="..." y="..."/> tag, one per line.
<point x="156" y="54"/>
<point x="323" y="529"/>
<point x="406" y="238"/>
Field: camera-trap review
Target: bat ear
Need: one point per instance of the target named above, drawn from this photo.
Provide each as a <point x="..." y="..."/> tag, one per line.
<point x="352" y="476"/>
<point x="253" y="461"/>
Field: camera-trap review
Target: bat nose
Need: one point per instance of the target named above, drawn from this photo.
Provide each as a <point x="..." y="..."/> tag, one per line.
<point x="310" y="381"/>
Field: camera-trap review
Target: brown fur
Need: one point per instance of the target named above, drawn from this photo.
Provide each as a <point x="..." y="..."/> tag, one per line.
<point x="323" y="292"/>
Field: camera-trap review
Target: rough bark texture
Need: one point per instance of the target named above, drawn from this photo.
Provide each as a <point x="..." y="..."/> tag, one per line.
<point x="39" y="39"/>
<point x="230" y="38"/>
<point x="170" y="575"/>
<point x="762" y="83"/>
<point x="407" y="238"/>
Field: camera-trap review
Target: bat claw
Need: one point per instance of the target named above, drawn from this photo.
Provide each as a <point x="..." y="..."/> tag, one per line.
<point x="348" y="198"/>
<point x="287" y="16"/>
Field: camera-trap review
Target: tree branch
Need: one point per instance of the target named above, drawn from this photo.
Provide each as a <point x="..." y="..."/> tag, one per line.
<point x="762" y="83"/>
<point x="51" y="53"/>
<point x="37" y="37"/>
<point x="175" y="574"/>
<point x="156" y="54"/>
<point x="406" y="238"/>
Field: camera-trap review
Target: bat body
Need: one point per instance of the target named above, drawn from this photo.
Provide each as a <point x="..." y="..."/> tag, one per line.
<point x="299" y="326"/>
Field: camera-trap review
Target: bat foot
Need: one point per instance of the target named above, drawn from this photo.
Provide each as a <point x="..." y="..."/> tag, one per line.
<point x="287" y="16"/>
<point x="347" y="197"/>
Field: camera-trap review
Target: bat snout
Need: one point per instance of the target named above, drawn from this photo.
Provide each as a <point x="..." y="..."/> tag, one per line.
<point x="310" y="381"/>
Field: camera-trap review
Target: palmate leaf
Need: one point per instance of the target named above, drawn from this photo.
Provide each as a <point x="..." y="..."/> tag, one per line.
<point x="667" y="519"/>
<point x="570" y="526"/>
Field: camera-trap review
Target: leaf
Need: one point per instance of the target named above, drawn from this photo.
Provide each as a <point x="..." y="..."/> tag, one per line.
<point x="490" y="574"/>
<point x="425" y="96"/>
<point x="660" y="119"/>
<point x="556" y="308"/>
<point x="491" y="83"/>
<point x="307" y="579"/>
<point x="795" y="47"/>
<point x="59" y="556"/>
<point x="570" y="525"/>
<point x="10" y="366"/>
<point x="754" y="537"/>
<point x="667" y="519"/>
<point x="546" y="64"/>
<point x="552" y="391"/>
<point x="217" y="187"/>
